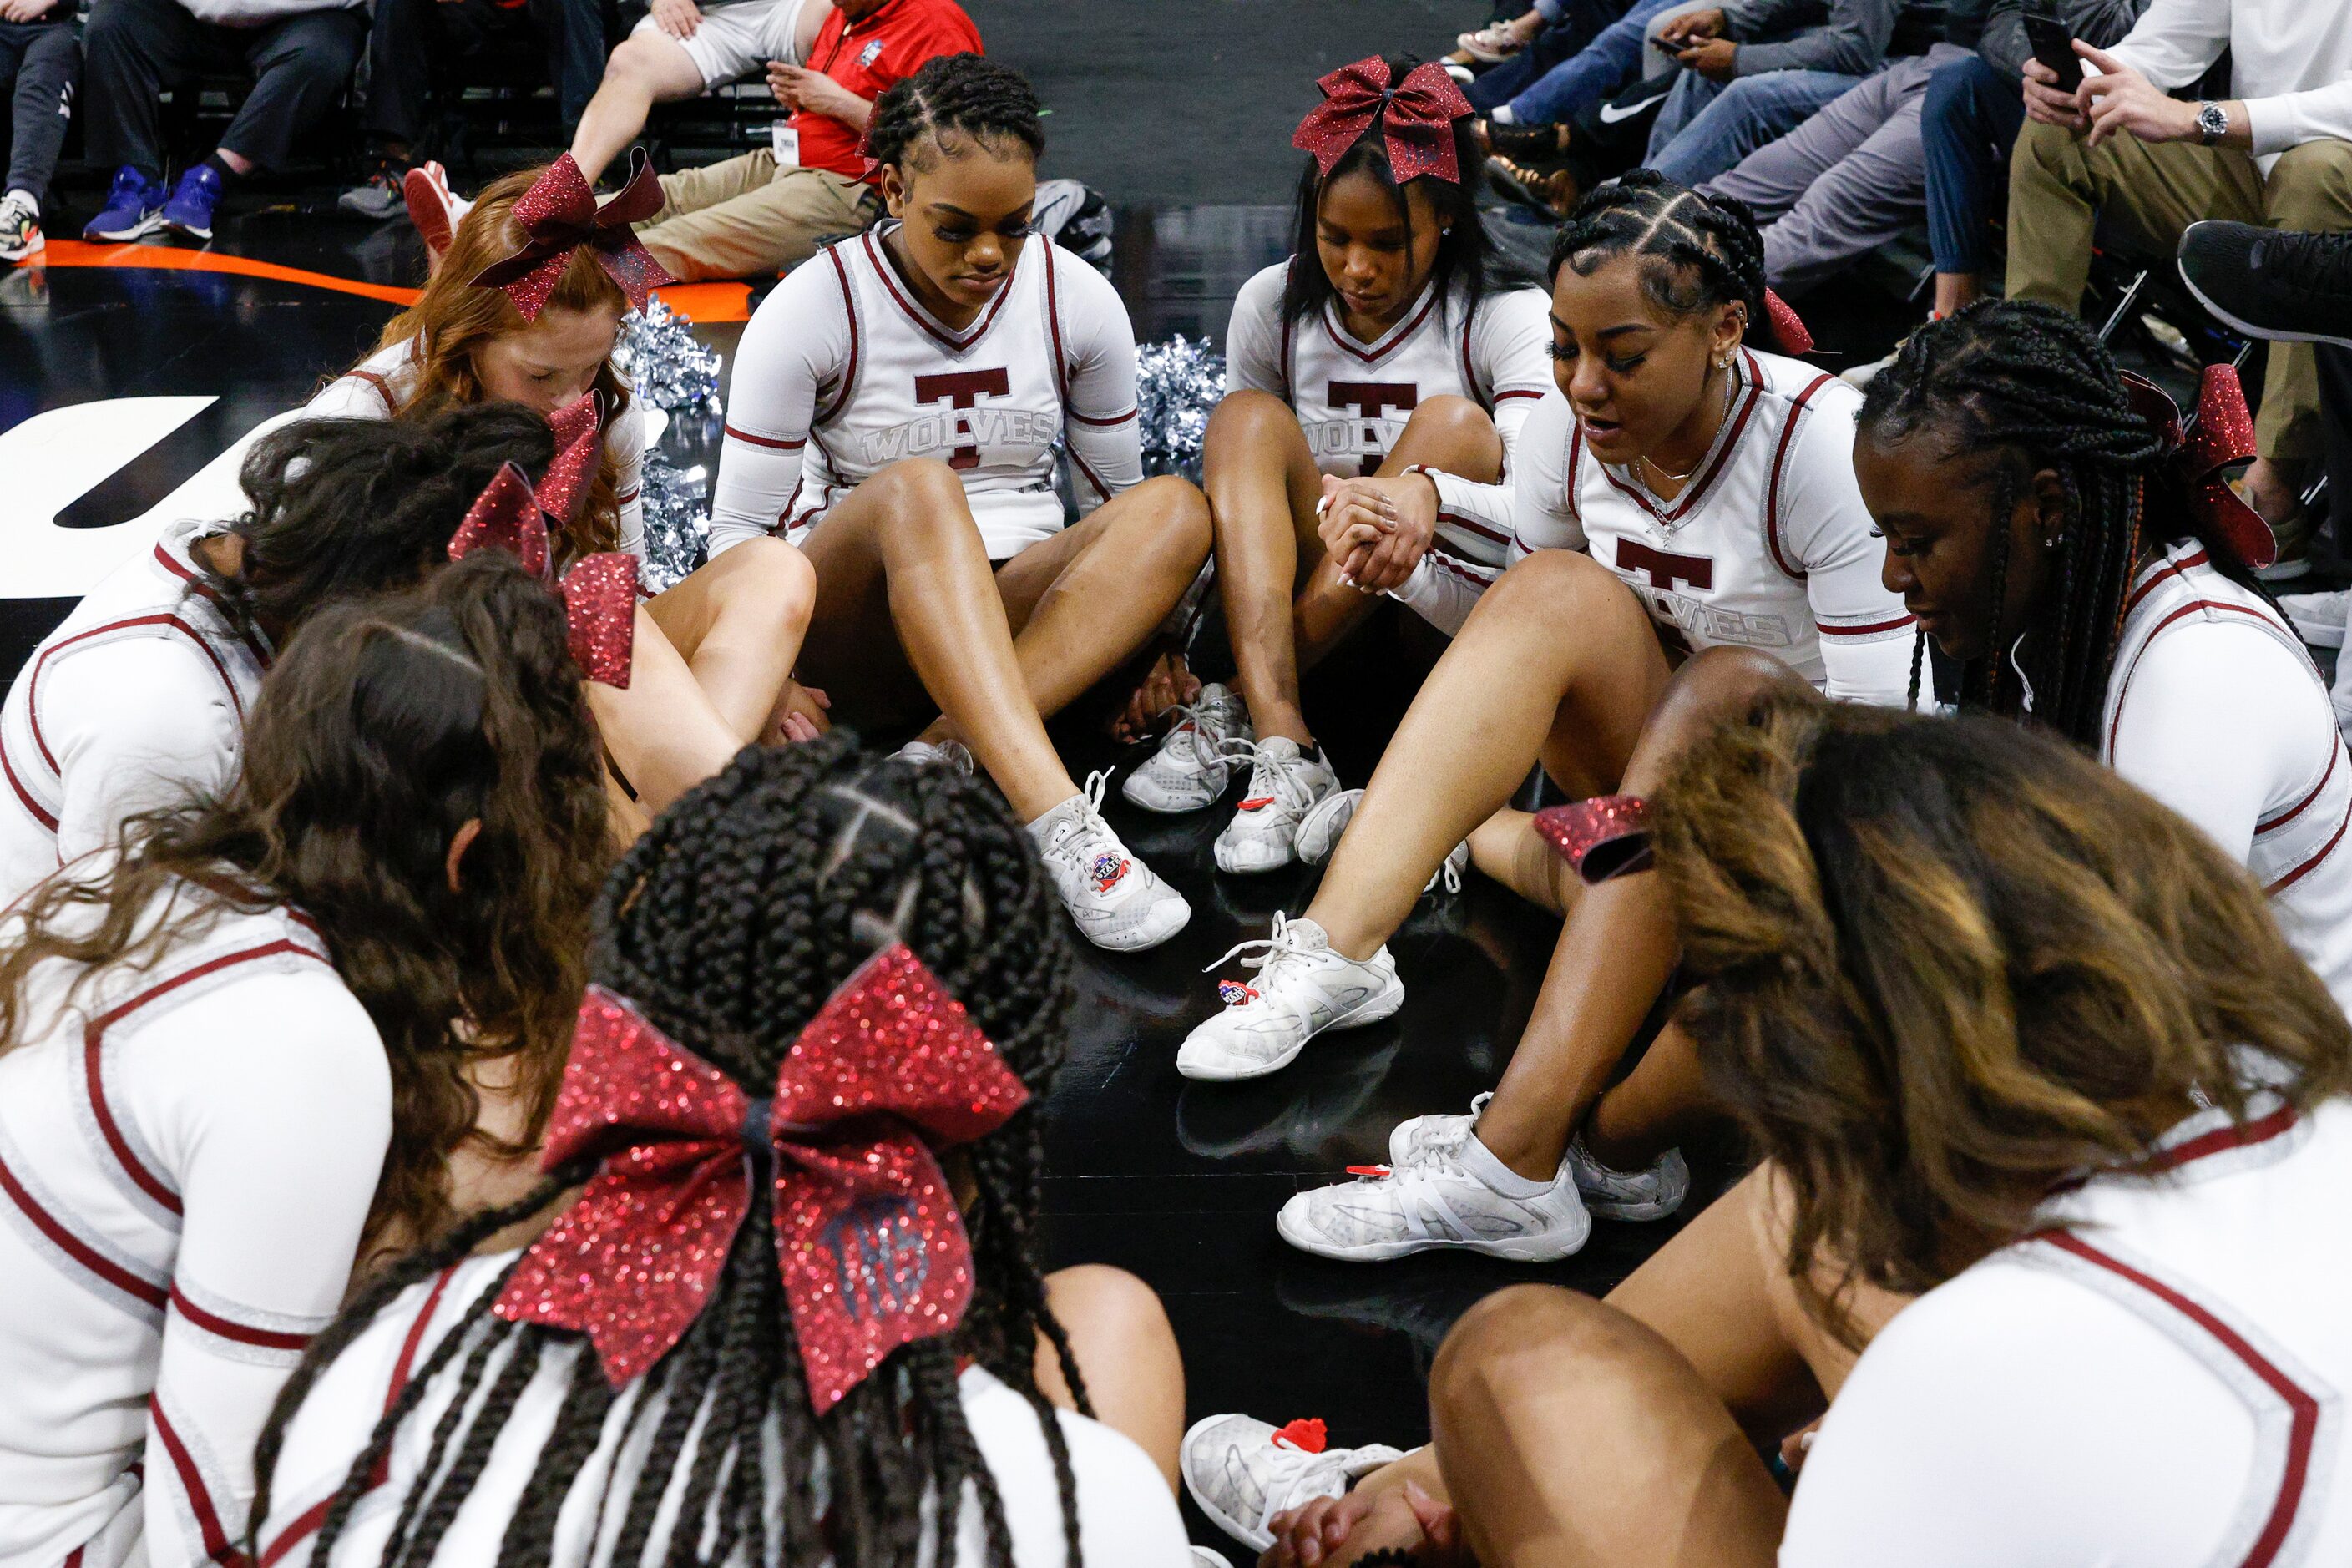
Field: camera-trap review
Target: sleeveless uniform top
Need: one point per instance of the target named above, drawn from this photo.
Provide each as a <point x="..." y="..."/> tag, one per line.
<point x="2214" y="707"/>
<point x="1354" y="398"/>
<point x="187" y="1153"/>
<point x="137" y="700"/>
<point x="842" y="372"/>
<point x="2157" y="1380"/>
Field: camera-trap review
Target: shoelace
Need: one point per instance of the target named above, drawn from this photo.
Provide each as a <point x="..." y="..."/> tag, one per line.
<point x="1208" y="738"/>
<point x="1284" y="1476"/>
<point x="1090" y="835"/>
<point x="1265" y="952"/>
<point x="1281" y="784"/>
<point x="1447" y="875"/>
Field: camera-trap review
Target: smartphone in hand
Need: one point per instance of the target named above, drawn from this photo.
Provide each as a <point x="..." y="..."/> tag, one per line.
<point x="2054" y="45"/>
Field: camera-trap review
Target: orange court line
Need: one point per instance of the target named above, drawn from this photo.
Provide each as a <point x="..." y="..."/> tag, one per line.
<point x="695" y="301"/>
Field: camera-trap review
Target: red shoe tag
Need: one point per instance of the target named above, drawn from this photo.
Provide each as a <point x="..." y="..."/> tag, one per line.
<point x="1306" y="1434"/>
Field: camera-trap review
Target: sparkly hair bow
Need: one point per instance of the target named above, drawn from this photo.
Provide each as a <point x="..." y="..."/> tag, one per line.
<point x="2222" y="435"/>
<point x="560" y="214"/>
<point x="1608" y="835"/>
<point x="868" y="1235"/>
<point x="1422" y="109"/>
<point x="600" y="592"/>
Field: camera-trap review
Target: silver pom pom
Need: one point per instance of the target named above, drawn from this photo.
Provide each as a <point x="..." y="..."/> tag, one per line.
<point x="677" y="520"/>
<point x="1178" y="384"/>
<point x="658" y="353"/>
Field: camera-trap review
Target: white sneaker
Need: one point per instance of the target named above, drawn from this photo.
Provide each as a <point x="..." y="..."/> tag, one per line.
<point x="1209" y="1557"/>
<point x="1319" y="831"/>
<point x="1116" y="899"/>
<point x="1284" y="783"/>
<point x="1646" y="1194"/>
<point x="2318" y="618"/>
<point x="1242" y="1471"/>
<point x="1195" y="759"/>
<point x="1303" y="988"/>
<point x="936" y="754"/>
<point x="1436" y="1202"/>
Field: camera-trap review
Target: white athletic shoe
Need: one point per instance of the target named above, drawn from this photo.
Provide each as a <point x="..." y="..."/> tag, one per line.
<point x="1319" y="831"/>
<point x="942" y="755"/>
<point x="2318" y="618"/>
<point x="1284" y="784"/>
<point x="1646" y="1194"/>
<point x="1303" y="988"/>
<point x="1436" y="1201"/>
<point x="1115" y="898"/>
<point x="1242" y="1471"/>
<point x="1195" y="759"/>
<point x="1209" y="1557"/>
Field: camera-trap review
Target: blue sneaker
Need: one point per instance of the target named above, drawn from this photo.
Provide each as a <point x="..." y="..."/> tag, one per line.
<point x="132" y="207"/>
<point x="190" y="210"/>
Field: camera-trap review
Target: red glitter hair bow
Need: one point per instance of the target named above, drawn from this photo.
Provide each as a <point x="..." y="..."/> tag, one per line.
<point x="1422" y="109"/>
<point x="600" y="592"/>
<point x="560" y="214"/>
<point x="868" y="1235"/>
<point x="1608" y="835"/>
<point x="2224" y="434"/>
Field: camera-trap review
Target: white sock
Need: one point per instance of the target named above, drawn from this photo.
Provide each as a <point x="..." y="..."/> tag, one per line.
<point x="1502" y="115"/>
<point x="1481" y="1163"/>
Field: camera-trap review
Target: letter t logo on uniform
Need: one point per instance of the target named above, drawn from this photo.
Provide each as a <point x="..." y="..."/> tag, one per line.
<point x="962" y="389"/>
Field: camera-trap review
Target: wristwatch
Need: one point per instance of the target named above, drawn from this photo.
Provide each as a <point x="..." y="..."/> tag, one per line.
<point x="2213" y="124"/>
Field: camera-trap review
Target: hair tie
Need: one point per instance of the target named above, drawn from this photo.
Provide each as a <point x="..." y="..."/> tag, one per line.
<point x="1418" y="118"/>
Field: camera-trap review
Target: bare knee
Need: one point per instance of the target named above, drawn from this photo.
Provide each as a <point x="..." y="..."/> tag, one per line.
<point x="1456" y="421"/>
<point x="1183" y="524"/>
<point x="1534" y="1340"/>
<point x="769" y="573"/>
<point x="635" y="64"/>
<point x="921" y="503"/>
<point x="1247" y="415"/>
<point x="1560" y="587"/>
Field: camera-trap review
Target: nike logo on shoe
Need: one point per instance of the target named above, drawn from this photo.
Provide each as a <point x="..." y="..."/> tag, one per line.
<point x="1620" y="111"/>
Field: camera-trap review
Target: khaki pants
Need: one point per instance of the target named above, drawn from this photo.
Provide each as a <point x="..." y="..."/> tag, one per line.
<point x="2060" y="189"/>
<point x="745" y="216"/>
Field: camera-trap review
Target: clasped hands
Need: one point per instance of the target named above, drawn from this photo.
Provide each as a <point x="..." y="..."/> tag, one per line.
<point x="1376" y="531"/>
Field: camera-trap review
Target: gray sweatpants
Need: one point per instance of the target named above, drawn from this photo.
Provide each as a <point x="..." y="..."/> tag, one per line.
<point x="1844" y="182"/>
<point x="39" y="63"/>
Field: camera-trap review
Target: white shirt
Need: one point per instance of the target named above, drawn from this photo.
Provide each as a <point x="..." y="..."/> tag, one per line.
<point x="2213" y="708"/>
<point x="1768" y="547"/>
<point x="2290" y="60"/>
<point x="181" y="1193"/>
<point x="137" y="700"/>
<point x="1353" y="399"/>
<point x="844" y="371"/>
<point x="2163" y="1388"/>
<point x="377" y="387"/>
<point x="1127" y="1515"/>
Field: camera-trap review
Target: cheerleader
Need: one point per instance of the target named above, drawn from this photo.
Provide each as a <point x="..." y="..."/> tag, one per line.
<point x="525" y="306"/>
<point x="140" y="696"/>
<point x="1385" y="350"/>
<point x="898" y="410"/>
<point x="1712" y="486"/>
<point x="803" y="1364"/>
<point x="230" y="1056"/>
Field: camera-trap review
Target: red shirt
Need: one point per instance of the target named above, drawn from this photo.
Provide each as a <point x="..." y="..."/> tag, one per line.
<point x="866" y="58"/>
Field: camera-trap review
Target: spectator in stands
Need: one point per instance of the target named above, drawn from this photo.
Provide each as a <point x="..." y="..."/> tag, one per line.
<point x="40" y="57"/>
<point x="680" y="50"/>
<point x="1754" y="69"/>
<point x="2119" y="152"/>
<point x="410" y="44"/>
<point x="1527" y="50"/>
<point x="300" y="53"/>
<point x="764" y="211"/>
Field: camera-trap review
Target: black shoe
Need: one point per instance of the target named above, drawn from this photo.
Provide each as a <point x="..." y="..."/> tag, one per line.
<point x="2287" y="288"/>
<point x="1524" y="144"/>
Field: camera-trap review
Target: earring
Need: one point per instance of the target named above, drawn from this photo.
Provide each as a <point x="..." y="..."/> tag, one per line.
<point x="2053" y="542"/>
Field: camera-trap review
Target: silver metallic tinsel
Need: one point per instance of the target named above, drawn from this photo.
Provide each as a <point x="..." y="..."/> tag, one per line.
<point x="1177" y="387"/>
<point x="658" y="355"/>
<point x="677" y="520"/>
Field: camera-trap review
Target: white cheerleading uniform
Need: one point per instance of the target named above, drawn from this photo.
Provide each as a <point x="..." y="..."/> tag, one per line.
<point x="2157" y="1380"/>
<point x="1353" y="400"/>
<point x="1768" y="547"/>
<point x="2214" y="707"/>
<point x="843" y="371"/>
<point x="377" y="387"/>
<point x="187" y="1155"/>
<point x="136" y="700"/>
<point x="1127" y="1515"/>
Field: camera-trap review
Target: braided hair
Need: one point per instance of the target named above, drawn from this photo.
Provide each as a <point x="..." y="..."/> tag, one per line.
<point x="2034" y="384"/>
<point x="1697" y="251"/>
<point x="728" y="924"/>
<point x="954" y="96"/>
<point x="1465" y="256"/>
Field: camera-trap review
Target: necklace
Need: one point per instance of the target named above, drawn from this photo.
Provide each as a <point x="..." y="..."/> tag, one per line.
<point x="1672" y="477"/>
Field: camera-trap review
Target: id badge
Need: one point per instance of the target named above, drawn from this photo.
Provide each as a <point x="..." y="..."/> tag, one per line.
<point x="787" y="143"/>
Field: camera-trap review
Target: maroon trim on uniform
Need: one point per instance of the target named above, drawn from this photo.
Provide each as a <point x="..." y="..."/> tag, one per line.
<point x="306" y="1524"/>
<point x="1506" y="397"/>
<point x="1471" y="525"/>
<point x="218" y="1547"/>
<point x="2302" y="1405"/>
<point x="80" y="1251"/>
<point x="1469" y="376"/>
<point x="1772" y="490"/>
<point x="2222" y="1139"/>
<point x="974" y="333"/>
<point x="1281" y="310"/>
<point x="1697" y="494"/>
<point x="769" y="441"/>
<point x="849" y="309"/>
<point x="1093" y="478"/>
<point x="1575" y="462"/>
<point x="2188" y="609"/>
<point x="2157" y="574"/>
<point x="1053" y="325"/>
<point x="2272" y="824"/>
<point x="1396" y="336"/>
<point x="1483" y="577"/>
<point x="229" y="1328"/>
<point x="2300" y="872"/>
<point x="783" y="518"/>
<point x="73" y="1558"/>
<point x="205" y="590"/>
<point x="382" y="389"/>
<point x="1872" y="630"/>
<point x="24" y="795"/>
<point x="1090" y="419"/>
<point x="33" y="688"/>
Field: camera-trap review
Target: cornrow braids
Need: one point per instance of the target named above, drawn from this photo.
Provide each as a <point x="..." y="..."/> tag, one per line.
<point x="952" y="96"/>
<point x="1697" y="251"/>
<point x="2033" y="385"/>
<point x="728" y="924"/>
